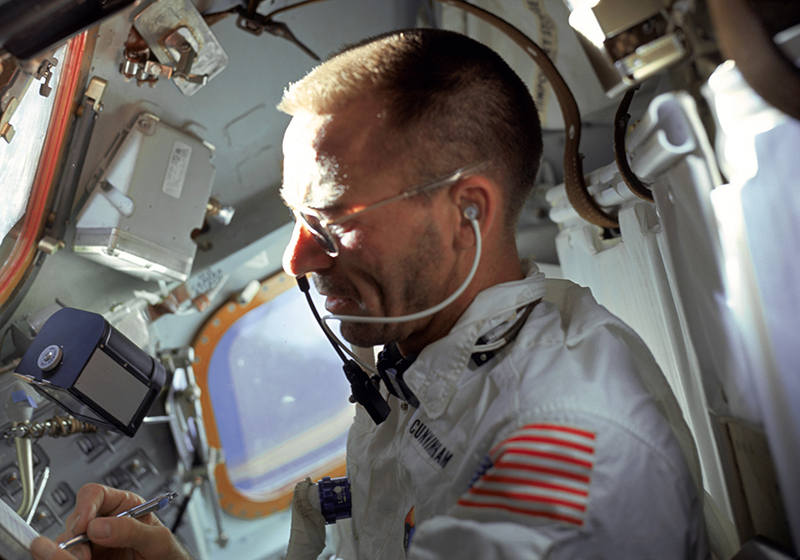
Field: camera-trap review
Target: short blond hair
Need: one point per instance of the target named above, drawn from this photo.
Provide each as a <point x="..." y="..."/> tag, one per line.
<point x="450" y="101"/>
<point x="349" y="75"/>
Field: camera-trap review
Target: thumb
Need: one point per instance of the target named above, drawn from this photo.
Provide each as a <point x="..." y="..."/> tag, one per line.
<point x="154" y="542"/>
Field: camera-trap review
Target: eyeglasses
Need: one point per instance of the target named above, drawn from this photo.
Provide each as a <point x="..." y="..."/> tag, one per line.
<point x="319" y="226"/>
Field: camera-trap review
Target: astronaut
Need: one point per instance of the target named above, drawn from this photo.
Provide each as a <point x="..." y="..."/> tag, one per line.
<point x="526" y="421"/>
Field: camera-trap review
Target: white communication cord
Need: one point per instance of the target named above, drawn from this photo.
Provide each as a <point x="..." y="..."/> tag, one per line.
<point x="430" y="310"/>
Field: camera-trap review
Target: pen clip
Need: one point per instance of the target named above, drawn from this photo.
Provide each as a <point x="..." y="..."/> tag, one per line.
<point x="156" y="504"/>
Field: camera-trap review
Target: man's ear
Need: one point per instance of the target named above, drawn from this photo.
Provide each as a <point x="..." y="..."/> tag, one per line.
<point x="476" y="197"/>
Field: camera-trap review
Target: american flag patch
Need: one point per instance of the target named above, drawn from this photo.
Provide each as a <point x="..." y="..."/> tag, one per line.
<point x="540" y="470"/>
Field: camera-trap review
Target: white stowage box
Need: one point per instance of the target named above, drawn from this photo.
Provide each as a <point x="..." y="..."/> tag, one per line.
<point x="148" y="198"/>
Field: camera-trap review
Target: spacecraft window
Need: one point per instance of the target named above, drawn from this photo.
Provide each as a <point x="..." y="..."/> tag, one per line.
<point x="278" y="394"/>
<point x="23" y="140"/>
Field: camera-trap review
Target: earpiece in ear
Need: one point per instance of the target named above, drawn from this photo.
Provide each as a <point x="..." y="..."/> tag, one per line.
<point x="471" y="212"/>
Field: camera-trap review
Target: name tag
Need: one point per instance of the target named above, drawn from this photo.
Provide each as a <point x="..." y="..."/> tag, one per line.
<point x="429" y="444"/>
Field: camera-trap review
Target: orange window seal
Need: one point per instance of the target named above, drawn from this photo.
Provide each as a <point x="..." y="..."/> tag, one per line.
<point x="232" y="500"/>
<point x="22" y="254"/>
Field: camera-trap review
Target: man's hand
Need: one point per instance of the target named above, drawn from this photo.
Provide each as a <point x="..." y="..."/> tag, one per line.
<point x="112" y="538"/>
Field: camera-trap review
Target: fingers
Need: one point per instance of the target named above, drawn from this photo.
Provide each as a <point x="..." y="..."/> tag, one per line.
<point x="92" y="500"/>
<point x="154" y="542"/>
<point x="95" y="500"/>
<point x="95" y="513"/>
<point x="43" y="548"/>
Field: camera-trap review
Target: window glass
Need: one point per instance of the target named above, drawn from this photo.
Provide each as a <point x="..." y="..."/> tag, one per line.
<point x="279" y="395"/>
<point x="19" y="159"/>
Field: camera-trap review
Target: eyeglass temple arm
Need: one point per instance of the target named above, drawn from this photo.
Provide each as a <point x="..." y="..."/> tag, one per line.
<point x="451" y="179"/>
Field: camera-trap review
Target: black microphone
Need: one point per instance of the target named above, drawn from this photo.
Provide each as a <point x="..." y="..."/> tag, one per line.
<point x="364" y="390"/>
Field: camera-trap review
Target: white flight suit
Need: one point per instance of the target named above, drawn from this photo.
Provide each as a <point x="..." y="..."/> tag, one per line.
<point x="557" y="447"/>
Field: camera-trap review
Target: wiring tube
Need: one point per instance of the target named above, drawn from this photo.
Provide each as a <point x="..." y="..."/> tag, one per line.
<point x="621" y="119"/>
<point x="24" y="449"/>
<point x="574" y="180"/>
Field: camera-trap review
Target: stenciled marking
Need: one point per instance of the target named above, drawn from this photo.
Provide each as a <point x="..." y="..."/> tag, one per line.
<point x="430" y="443"/>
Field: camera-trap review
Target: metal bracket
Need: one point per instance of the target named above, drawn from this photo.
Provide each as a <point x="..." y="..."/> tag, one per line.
<point x="45" y="72"/>
<point x="14" y="83"/>
<point x="6" y="130"/>
<point x="179" y="45"/>
<point x="256" y="24"/>
<point x="198" y="459"/>
<point x="95" y="91"/>
<point x="176" y="34"/>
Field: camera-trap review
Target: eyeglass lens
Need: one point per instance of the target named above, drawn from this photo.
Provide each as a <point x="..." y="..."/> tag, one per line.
<point x="322" y="236"/>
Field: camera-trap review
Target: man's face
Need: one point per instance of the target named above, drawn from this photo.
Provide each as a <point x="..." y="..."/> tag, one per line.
<point x="392" y="261"/>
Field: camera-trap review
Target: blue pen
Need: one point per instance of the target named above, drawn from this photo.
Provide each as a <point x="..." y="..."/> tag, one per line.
<point x="156" y="504"/>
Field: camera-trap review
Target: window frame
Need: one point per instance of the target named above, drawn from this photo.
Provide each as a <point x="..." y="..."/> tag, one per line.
<point x="18" y="264"/>
<point x="234" y="501"/>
